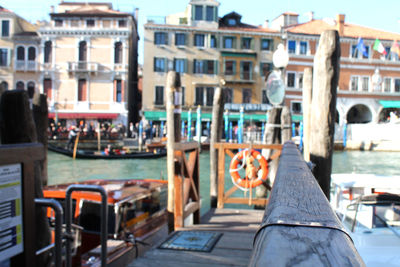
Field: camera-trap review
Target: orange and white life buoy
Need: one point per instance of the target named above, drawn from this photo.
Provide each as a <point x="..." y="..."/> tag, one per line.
<point x="248" y="182"/>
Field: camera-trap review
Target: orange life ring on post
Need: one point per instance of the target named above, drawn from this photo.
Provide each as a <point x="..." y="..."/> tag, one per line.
<point x="248" y="182"/>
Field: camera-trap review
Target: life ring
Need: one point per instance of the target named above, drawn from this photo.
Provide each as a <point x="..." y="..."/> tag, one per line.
<point x="246" y="183"/>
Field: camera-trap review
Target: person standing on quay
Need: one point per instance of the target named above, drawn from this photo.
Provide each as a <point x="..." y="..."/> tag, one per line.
<point x="71" y="138"/>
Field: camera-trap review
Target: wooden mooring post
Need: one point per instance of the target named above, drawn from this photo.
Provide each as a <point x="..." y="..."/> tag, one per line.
<point x="299" y="226"/>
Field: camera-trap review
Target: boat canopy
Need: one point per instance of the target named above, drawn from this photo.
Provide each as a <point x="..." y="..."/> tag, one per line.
<point x="389" y="103"/>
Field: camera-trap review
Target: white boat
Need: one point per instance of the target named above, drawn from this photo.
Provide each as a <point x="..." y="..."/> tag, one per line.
<point x="369" y="207"/>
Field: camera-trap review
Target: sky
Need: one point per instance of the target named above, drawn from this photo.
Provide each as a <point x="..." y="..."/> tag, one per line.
<point x="381" y="15"/>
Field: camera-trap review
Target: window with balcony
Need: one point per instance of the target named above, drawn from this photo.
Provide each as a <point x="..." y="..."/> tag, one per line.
<point x="199" y="40"/>
<point x="229" y="42"/>
<point x="47" y="88"/>
<point x="291" y="79"/>
<point x="199" y="96"/>
<point x="48" y="50"/>
<point x="247" y="43"/>
<point x="82" y="57"/>
<point x="292" y="47"/>
<point x="118" y="90"/>
<point x="90" y="23"/>
<point x="159" y="95"/>
<point x="211" y="66"/>
<point x="198" y="12"/>
<point x="4" y="57"/>
<point x="5" y="28"/>
<point x="21" y="53"/>
<point x="266" y="44"/>
<point x="397" y="85"/>
<point x="246" y="95"/>
<point x="82" y="90"/>
<point x="160" y="64"/>
<point x="122" y="23"/>
<point x="31" y="89"/>
<point x="31" y="53"/>
<point x="213" y="41"/>
<point x="209" y="96"/>
<point x="20" y="85"/>
<point x="354" y="83"/>
<point x="180" y="39"/>
<point x="246" y="70"/>
<point x="303" y="48"/>
<point x="160" y="38"/>
<point x="180" y="65"/>
<point x="118" y="53"/>
<point x="230" y="67"/>
<point x="365" y="84"/>
<point x="387" y="82"/>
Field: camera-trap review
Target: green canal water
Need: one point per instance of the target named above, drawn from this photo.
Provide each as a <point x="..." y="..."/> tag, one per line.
<point x="62" y="169"/>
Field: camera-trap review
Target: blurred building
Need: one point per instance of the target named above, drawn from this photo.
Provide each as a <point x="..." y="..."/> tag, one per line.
<point x="205" y="49"/>
<point x="88" y="60"/>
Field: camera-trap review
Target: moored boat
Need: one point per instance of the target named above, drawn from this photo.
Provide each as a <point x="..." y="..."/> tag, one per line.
<point x="136" y="209"/>
<point x="116" y="154"/>
<point x="369" y="207"/>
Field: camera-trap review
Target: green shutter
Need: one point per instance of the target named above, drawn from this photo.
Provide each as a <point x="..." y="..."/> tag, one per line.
<point x="165" y="64"/>
<point x="252" y="41"/>
<point x="234" y="43"/>
<point x="216" y="65"/>
<point x="205" y="65"/>
<point x="193" y="11"/>
<point x="272" y="44"/>
<point x="241" y="69"/>
<point x="166" y="38"/>
<point x="224" y="66"/>
<point x="234" y="67"/>
<point x="9" y="52"/>
<point x="154" y="64"/>
<point x="185" y="65"/>
<point x="216" y="14"/>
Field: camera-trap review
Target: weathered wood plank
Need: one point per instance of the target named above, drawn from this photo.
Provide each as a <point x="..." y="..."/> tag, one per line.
<point x="299" y="225"/>
<point x="254" y="146"/>
<point x="185" y="146"/>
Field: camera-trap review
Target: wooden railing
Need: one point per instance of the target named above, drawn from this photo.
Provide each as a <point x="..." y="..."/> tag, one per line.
<point x="299" y="226"/>
<point x="186" y="183"/>
<point x="227" y="149"/>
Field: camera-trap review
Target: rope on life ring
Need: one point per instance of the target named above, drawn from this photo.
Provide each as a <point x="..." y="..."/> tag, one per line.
<point x="248" y="182"/>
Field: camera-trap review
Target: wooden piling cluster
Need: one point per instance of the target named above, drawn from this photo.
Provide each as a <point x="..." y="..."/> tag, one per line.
<point x="299" y="226"/>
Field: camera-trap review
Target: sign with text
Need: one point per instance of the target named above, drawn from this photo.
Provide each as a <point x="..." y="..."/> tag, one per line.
<point x="11" y="235"/>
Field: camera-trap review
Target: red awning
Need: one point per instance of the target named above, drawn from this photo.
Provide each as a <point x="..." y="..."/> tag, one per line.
<point x="75" y="115"/>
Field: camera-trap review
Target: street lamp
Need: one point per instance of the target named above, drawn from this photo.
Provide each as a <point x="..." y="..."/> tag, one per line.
<point x="275" y="85"/>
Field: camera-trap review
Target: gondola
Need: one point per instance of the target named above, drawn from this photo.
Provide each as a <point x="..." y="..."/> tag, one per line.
<point x="87" y="154"/>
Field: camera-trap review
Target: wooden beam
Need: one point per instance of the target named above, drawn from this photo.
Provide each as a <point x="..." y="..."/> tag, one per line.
<point x="299" y="223"/>
<point x="186" y="146"/>
<point x="190" y="208"/>
<point x="245" y="201"/>
<point x="244" y="146"/>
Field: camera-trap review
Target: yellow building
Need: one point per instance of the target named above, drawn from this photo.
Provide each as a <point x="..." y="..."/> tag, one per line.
<point x="19" y="44"/>
<point x="206" y="49"/>
<point x="87" y="62"/>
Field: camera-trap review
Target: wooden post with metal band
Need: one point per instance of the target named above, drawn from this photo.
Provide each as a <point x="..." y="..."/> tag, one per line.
<point x="173" y="135"/>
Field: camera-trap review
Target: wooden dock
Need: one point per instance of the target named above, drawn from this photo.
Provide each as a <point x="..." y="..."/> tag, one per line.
<point x="234" y="248"/>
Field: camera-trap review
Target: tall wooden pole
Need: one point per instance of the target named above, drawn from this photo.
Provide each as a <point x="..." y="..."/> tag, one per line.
<point x="216" y="134"/>
<point x="326" y="76"/>
<point x="17" y="126"/>
<point x="286" y="125"/>
<point x="40" y="115"/>
<point x="307" y="97"/>
<point x="173" y="135"/>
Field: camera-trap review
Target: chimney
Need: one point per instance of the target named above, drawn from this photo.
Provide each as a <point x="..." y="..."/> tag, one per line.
<point x="51" y="9"/>
<point x="310" y="15"/>
<point x="266" y="24"/>
<point x="340" y="23"/>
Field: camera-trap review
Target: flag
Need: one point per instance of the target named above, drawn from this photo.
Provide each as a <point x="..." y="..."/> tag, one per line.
<point x="379" y="47"/>
<point x="361" y="47"/>
<point x="395" y="48"/>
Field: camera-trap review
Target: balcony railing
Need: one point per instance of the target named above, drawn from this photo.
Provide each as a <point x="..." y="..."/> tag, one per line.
<point x="25" y="65"/>
<point x="83" y="66"/>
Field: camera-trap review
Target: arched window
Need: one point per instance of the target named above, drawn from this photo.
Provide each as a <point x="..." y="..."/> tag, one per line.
<point x="20" y="53"/>
<point x="3" y="87"/>
<point x="48" y="52"/>
<point x="118" y="53"/>
<point x="31" y="89"/>
<point x="47" y="90"/>
<point x="82" y="51"/>
<point x="20" y="85"/>
<point x="31" y="53"/>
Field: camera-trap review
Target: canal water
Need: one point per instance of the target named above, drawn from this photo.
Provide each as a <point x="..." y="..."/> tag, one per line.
<point x="62" y="169"/>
